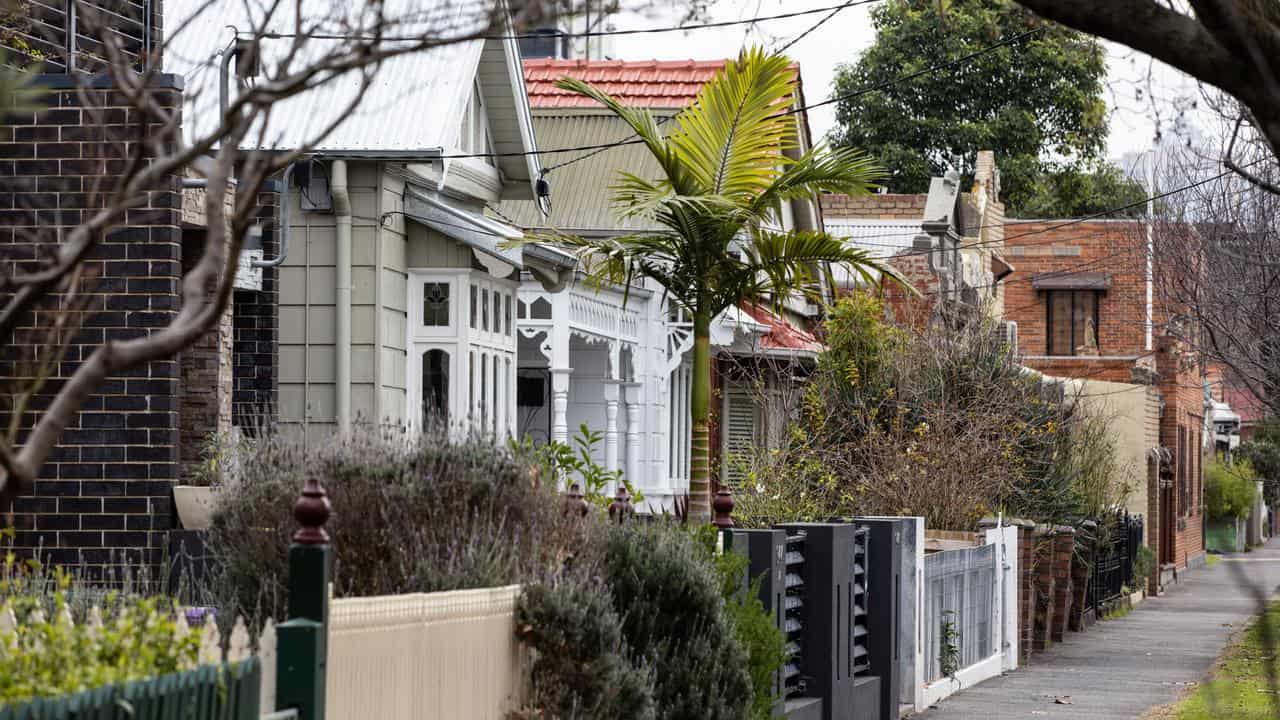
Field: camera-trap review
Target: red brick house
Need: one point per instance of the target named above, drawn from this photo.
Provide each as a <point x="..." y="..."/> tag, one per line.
<point x="1082" y="297"/>
<point x="947" y="243"/>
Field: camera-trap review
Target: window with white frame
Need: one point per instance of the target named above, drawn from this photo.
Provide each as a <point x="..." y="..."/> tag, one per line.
<point x="462" y="372"/>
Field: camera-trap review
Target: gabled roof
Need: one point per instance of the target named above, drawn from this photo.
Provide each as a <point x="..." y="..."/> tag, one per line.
<point x="412" y="110"/>
<point x="580" y="193"/>
<point x="637" y="83"/>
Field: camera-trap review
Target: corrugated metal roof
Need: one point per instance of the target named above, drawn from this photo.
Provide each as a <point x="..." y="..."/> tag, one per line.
<point x="581" y="200"/>
<point x="882" y="238"/>
<point x="415" y="103"/>
<point x="643" y="83"/>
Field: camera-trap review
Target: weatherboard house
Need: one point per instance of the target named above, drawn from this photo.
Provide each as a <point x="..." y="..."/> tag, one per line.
<point x="619" y="359"/>
<point x="407" y="286"/>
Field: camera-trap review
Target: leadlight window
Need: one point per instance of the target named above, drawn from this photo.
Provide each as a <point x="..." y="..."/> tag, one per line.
<point x="484" y="309"/>
<point x="506" y="313"/>
<point x="1072" y="321"/>
<point x="435" y="387"/>
<point x="435" y="304"/>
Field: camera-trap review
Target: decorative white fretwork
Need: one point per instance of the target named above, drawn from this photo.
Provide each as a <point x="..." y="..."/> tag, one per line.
<point x="679" y="337"/>
<point x="591" y="313"/>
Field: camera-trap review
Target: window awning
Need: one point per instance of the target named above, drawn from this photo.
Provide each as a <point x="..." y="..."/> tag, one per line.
<point x="468" y="227"/>
<point x="1071" y="281"/>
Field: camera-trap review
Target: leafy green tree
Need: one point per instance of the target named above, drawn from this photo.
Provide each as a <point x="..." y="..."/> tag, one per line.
<point x="1076" y="192"/>
<point x="725" y="175"/>
<point x="1032" y="100"/>
<point x="1262" y="452"/>
<point x="1229" y="489"/>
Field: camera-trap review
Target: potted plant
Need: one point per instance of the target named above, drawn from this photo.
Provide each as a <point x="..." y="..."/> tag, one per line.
<point x="196" y="500"/>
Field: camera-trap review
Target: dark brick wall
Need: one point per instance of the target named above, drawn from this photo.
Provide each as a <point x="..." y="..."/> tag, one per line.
<point x="256" y="326"/>
<point x="107" y="487"/>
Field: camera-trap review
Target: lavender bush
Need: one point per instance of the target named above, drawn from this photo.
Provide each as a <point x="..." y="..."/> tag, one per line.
<point x="411" y="514"/>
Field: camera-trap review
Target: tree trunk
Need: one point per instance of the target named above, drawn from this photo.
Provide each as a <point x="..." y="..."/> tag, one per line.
<point x="700" y="408"/>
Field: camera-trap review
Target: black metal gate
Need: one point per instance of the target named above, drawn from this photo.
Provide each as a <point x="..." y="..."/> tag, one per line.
<point x="1114" y="562"/>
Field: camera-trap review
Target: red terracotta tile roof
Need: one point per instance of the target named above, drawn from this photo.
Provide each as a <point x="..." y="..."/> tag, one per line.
<point x="782" y="335"/>
<point x="638" y="83"/>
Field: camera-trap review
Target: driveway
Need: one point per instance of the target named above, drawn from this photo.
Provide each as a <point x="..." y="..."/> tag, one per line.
<point x="1121" y="668"/>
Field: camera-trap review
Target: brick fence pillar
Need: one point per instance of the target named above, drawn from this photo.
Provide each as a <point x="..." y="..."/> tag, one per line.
<point x="1026" y="586"/>
<point x="1064" y="542"/>
<point x="1042" y="541"/>
<point x="103" y="497"/>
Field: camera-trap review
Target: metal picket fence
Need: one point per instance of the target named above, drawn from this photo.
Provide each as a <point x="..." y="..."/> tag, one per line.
<point x="1114" y="563"/>
<point x="959" y="595"/>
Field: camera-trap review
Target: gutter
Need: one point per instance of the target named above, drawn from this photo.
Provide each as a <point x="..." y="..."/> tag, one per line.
<point x="342" y="365"/>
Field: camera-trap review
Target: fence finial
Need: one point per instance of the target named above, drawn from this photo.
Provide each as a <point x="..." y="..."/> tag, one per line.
<point x="722" y="504"/>
<point x="574" y="502"/>
<point x="621" y="507"/>
<point x="311" y="511"/>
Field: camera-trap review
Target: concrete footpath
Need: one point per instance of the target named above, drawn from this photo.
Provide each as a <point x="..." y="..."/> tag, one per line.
<point x="1121" y="668"/>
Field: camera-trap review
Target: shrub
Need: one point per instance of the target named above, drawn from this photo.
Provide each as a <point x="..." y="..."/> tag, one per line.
<point x="409" y="516"/>
<point x="581" y="667"/>
<point x="52" y="655"/>
<point x="938" y="421"/>
<point x="1229" y="489"/>
<point x="673" y="618"/>
<point x="764" y="643"/>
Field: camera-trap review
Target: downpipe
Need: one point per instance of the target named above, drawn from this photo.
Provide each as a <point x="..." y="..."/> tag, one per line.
<point x="342" y="365"/>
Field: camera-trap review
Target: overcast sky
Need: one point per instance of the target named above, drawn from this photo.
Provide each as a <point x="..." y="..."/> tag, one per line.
<point x="841" y="40"/>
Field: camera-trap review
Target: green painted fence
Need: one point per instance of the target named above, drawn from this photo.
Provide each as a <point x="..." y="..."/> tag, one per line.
<point x="228" y="691"/>
<point x="232" y="690"/>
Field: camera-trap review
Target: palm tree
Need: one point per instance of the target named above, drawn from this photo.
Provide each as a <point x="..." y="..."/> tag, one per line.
<point x="726" y="173"/>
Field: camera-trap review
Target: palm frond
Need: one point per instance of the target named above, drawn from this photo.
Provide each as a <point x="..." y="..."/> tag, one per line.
<point x="789" y="260"/>
<point x="823" y="169"/>
<point x="731" y="139"/>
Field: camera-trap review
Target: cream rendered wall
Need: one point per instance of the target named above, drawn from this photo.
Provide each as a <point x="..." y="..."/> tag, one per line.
<point x="1127" y="408"/>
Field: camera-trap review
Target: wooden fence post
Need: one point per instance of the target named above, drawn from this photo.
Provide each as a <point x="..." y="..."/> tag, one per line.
<point x="302" y="639"/>
<point x="722" y="507"/>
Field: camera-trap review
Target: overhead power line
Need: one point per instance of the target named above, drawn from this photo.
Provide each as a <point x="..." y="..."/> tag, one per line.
<point x="822" y="21"/>
<point x="632" y="140"/>
<point x="588" y="34"/>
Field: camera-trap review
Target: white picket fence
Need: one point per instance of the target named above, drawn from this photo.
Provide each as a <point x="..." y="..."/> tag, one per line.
<point x="426" y="656"/>
<point x="239" y="647"/>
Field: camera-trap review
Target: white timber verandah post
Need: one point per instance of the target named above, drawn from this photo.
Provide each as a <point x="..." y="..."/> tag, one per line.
<point x="635" y="402"/>
<point x="560" y="368"/>
<point x="611" y="425"/>
<point x="611" y="392"/>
